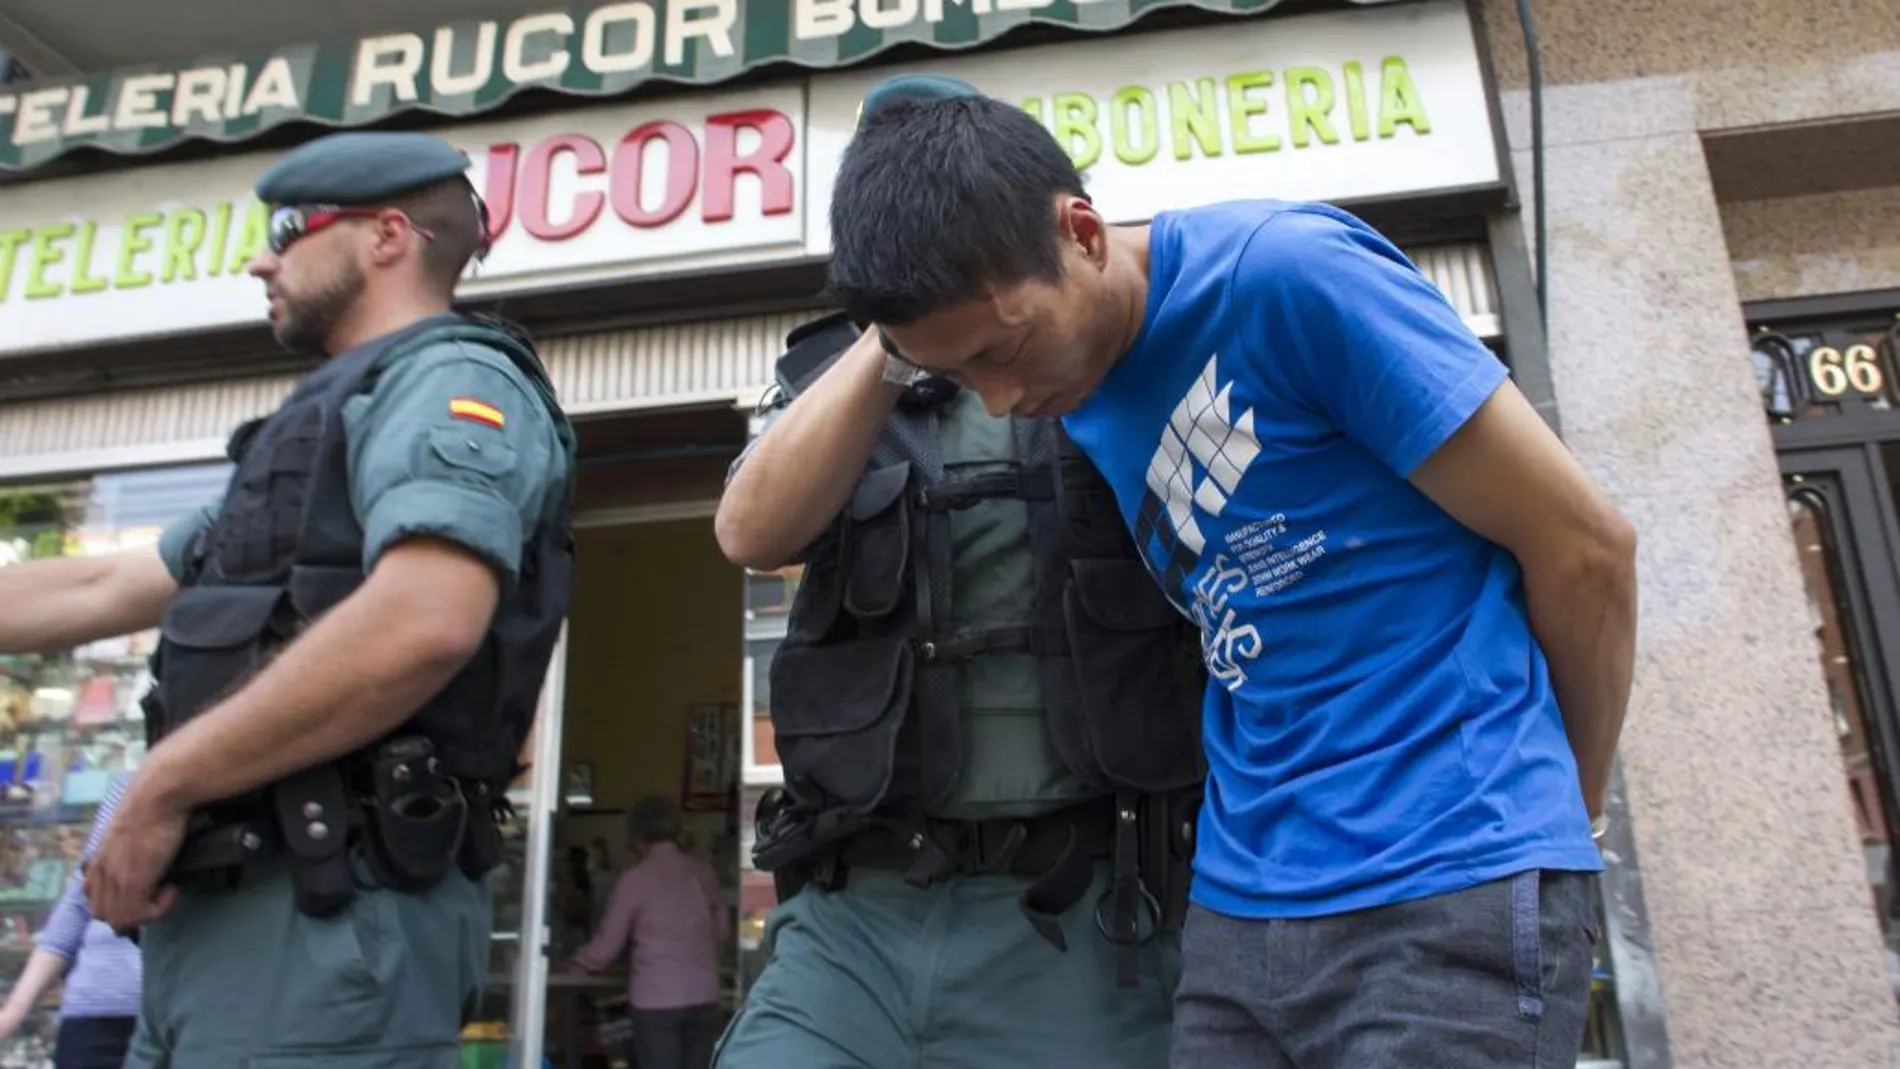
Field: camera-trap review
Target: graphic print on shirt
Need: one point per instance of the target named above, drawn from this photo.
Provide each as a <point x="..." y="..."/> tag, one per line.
<point x="1204" y="454"/>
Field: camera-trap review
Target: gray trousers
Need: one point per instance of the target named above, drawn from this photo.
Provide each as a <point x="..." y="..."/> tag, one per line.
<point x="675" y="1039"/>
<point x="1494" y="977"/>
<point x="883" y="975"/>
<point x="241" y="979"/>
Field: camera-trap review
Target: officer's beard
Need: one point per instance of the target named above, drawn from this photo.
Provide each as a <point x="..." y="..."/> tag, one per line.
<point x="311" y="318"/>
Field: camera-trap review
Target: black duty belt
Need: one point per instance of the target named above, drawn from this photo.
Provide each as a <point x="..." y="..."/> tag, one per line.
<point x="223" y="846"/>
<point x="1056" y="852"/>
<point x="1025" y="846"/>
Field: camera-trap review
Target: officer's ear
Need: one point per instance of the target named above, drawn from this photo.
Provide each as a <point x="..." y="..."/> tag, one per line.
<point x="392" y="232"/>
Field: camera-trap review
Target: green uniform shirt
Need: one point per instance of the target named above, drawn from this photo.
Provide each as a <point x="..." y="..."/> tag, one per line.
<point x="417" y="470"/>
<point x="1010" y="764"/>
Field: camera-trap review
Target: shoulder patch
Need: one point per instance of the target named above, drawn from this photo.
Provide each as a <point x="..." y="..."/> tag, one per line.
<point x="476" y="411"/>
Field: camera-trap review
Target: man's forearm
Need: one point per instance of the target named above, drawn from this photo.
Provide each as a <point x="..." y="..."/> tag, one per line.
<point x="1584" y="617"/>
<point x="66" y="601"/>
<point x="800" y="474"/>
<point x="356" y="674"/>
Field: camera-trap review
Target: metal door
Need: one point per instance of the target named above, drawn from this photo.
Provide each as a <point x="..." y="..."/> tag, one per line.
<point x="1847" y="536"/>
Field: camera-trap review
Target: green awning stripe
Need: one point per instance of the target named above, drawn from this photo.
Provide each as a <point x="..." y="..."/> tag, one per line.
<point x="41" y="121"/>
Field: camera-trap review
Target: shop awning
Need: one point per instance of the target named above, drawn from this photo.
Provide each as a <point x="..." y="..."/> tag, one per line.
<point x="591" y="49"/>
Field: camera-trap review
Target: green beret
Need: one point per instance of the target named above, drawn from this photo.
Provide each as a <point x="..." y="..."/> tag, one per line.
<point x="359" y="167"/>
<point x="913" y="87"/>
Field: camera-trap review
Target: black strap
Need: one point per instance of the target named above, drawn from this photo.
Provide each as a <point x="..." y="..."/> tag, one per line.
<point x="974" y="642"/>
<point x="811" y="348"/>
<point x="1038" y="448"/>
<point x="1057" y="891"/>
<point x="936" y="740"/>
<point x="955" y="492"/>
<point x="930" y="861"/>
<point x="197" y="552"/>
<point x="1123" y="901"/>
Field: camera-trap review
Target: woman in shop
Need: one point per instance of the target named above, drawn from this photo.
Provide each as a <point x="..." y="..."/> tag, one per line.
<point x="667" y="912"/>
<point x="100" y="1002"/>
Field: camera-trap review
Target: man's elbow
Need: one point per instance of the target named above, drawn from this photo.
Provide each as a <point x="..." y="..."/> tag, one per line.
<point x="1599" y="559"/>
<point x="455" y="644"/>
<point x="432" y="644"/>
<point x="1616" y="548"/>
<point x="743" y="538"/>
<point x="437" y="636"/>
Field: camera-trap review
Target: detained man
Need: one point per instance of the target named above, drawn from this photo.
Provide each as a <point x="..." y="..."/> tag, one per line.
<point x="1417" y="610"/>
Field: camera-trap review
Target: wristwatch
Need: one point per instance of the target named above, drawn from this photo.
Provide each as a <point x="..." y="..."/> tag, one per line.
<point x="898" y="371"/>
<point x="1599" y="827"/>
<point x="902" y="373"/>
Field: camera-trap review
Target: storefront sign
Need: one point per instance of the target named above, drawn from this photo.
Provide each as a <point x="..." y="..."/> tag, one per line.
<point x="465" y="68"/>
<point x="617" y="192"/>
<point x="1339" y="106"/>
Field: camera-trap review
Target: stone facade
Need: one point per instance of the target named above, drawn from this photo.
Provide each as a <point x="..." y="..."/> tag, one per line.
<point x="1670" y="203"/>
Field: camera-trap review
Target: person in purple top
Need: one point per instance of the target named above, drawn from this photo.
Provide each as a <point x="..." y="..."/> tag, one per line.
<point x="103" y="978"/>
<point x="667" y="917"/>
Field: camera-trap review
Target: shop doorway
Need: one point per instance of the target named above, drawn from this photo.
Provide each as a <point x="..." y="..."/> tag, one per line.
<point x="1827" y="381"/>
<point x="647" y="705"/>
<point x="642" y="698"/>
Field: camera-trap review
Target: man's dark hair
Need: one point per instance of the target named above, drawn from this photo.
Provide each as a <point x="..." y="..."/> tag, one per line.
<point x="942" y="201"/>
<point x="447" y="210"/>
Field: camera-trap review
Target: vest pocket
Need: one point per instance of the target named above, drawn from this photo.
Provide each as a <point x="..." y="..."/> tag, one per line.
<point x="1135" y="705"/>
<point x="837" y="712"/>
<point x="878" y="543"/>
<point x="316" y="589"/>
<point x="215" y="637"/>
<point x="258" y="530"/>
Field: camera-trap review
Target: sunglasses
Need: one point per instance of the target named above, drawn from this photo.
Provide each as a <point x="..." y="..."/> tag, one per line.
<point x="292" y="223"/>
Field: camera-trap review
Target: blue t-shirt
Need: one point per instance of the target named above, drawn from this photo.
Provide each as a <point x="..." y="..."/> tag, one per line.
<point x="1379" y="720"/>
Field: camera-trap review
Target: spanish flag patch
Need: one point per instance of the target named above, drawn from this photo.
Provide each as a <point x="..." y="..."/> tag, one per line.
<point x="475" y="411"/>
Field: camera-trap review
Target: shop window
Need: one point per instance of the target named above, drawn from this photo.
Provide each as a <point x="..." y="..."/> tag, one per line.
<point x="768" y="606"/>
<point x="761" y="752"/>
<point x="769" y="598"/>
<point x="757" y="894"/>
<point x="70" y="721"/>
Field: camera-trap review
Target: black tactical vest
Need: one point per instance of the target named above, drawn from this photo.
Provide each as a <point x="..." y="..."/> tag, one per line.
<point x="865" y="704"/>
<point x="287" y="546"/>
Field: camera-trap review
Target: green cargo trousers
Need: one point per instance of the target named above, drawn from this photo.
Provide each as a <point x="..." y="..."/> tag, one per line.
<point x="882" y="974"/>
<point x="240" y="980"/>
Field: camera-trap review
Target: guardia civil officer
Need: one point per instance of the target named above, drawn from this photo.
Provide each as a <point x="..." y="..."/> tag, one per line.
<point x="353" y="638"/>
<point x="988" y="719"/>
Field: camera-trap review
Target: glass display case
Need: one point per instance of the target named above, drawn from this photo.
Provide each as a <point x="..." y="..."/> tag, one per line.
<point x="70" y="720"/>
<point x="492" y="1036"/>
<point x="769" y="598"/>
